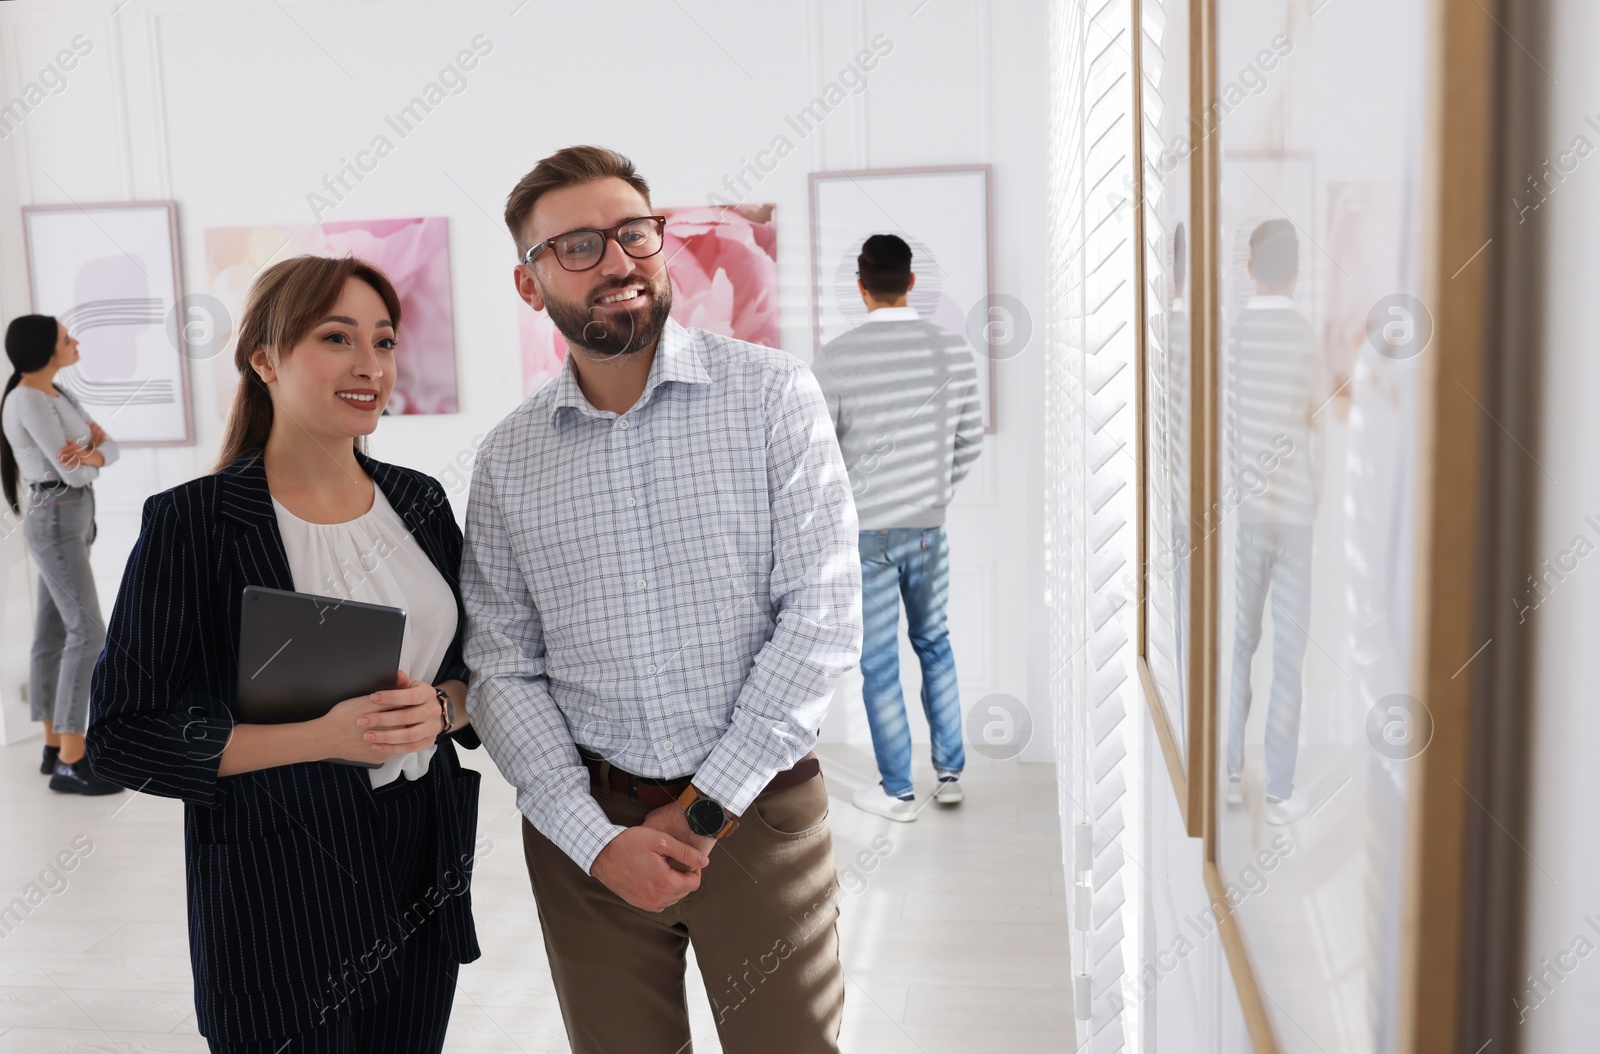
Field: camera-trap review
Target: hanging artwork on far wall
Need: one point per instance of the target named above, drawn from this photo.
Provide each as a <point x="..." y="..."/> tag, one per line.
<point x="724" y="268"/>
<point x="943" y="214"/>
<point x="414" y="253"/>
<point x="109" y="273"/>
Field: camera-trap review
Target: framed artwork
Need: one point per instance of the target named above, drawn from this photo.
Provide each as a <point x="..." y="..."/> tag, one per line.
<point x="723" y="262"/>
<point x="944" y="214"/>
<point x="109" y="273"/>
<point x="1334" y="329"/>
<point x="414" y="253"/>
<point x="1174" y="520"/>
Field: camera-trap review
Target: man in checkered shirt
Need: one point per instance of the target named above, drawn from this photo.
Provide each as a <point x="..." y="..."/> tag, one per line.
<point x="662" y="586"/>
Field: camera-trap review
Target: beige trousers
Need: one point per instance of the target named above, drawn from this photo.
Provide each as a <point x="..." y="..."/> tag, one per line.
<point x="763" y="925"/>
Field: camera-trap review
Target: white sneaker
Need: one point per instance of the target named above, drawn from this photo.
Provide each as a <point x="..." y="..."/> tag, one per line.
<point x="1288" y="810"/>
<point x="949" y="792"/>
<point x="880" y="802"/>
<point x="1235" y="790"/>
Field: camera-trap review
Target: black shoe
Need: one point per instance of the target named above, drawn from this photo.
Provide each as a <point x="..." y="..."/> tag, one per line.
<point x="47" y="767"/>
<point x="77" y="778"/>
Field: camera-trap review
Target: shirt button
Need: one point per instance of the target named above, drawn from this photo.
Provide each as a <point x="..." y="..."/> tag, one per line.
<point x="666" y="744"/>
<point x="650" y="670"/>
<point x="632" y="502"/>
<point x="621" y="423"/>
<point x="643" y="583"/>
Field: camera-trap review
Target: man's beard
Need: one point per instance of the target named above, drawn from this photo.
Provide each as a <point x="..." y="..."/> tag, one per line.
<point x="612" y="331"/>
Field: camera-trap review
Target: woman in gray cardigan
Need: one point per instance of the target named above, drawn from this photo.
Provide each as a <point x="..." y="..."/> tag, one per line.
<point x="48" y="442"/>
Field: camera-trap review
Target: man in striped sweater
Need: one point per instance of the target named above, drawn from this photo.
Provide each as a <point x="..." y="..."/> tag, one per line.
<point x="903" y="394"/>
<point x="1272" y="383"/>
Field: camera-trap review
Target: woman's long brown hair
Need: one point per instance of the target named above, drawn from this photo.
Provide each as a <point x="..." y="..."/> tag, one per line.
<point x="286" y="303"/>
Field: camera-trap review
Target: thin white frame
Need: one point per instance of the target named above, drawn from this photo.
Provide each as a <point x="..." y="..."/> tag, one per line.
<point x="174" y="262"/>
<point x="987" y="173"/>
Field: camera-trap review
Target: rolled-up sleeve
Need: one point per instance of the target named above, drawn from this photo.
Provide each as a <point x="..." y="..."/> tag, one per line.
<point x="816" y="595"/>
<point x="149" y="730"/>
<point x="508" y="697"/>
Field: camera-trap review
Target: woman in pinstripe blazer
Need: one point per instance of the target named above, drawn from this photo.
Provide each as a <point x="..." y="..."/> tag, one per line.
<point x="329" y="904"/>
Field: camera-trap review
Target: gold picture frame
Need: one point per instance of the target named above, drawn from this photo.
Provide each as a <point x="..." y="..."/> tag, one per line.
<point x="1457" y="181"/>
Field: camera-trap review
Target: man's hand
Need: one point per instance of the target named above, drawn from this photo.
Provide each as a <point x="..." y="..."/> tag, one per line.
<point x="649" y="869"/>
<point x="670" y="819"/>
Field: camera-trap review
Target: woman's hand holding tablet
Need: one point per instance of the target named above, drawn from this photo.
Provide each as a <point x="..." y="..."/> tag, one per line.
<point x="377" y="727"/>
<point x="399" y="720"/>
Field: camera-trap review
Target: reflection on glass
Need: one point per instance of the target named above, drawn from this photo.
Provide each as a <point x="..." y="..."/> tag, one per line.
<point x="1168" y="145"/>
<point x="1274" y="381"/>
<point x="1317" y="239"/>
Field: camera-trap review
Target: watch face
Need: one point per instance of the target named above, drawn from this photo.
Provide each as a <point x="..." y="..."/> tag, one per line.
<point x="706" y="817"/>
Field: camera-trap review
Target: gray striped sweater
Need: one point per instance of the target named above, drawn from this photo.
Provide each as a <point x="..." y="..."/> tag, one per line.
<point x="903" y="394"/>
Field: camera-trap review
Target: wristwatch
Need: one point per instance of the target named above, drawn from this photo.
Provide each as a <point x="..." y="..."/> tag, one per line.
<point x="447" y="709"/>
<point x="706" y="816"/>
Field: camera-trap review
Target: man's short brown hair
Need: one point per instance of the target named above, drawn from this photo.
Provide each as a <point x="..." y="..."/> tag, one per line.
<point x="567" y="167"/>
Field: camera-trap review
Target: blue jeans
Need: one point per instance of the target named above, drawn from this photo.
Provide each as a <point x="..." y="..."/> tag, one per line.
<point x="913" y="563"/>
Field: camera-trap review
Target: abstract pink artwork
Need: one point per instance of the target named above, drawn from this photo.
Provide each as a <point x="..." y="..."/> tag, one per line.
<point x="414" y="253"/>
<point x="724" y="268"/>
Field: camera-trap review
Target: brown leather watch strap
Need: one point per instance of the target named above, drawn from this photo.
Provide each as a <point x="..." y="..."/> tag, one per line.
<point x="687" y="799"/>
<point x="446" y="704"/>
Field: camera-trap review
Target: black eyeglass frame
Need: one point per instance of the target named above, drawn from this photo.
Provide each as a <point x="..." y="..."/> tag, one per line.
<point x="610" y="232"/>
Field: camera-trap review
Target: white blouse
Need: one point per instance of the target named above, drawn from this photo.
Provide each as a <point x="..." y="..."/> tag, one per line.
<point x="374" y="559"/>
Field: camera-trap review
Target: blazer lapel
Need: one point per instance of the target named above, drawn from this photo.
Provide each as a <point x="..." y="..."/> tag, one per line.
<point x="258" y="553"/>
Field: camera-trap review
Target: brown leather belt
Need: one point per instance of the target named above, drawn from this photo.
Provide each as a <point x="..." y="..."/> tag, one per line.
<point x="655" y="793"/>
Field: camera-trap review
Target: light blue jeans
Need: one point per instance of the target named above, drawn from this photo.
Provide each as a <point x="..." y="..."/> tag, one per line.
<point x="68" y="633"/>
<point x="914" y="564"/>
<point x="1272" y="558"/>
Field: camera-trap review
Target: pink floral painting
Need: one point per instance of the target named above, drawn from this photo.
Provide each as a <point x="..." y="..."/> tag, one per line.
<point x="414" y="253"/>
<point x="724" y="268"/>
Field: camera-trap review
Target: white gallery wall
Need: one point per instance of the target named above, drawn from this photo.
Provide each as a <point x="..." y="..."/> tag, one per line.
<point x="240" y="110"/>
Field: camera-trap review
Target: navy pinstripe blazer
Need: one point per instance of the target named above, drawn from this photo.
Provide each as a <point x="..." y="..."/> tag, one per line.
<point x="289" y="897"/>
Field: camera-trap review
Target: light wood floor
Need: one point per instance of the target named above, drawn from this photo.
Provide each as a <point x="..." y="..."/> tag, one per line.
<point x="956" y="941"/>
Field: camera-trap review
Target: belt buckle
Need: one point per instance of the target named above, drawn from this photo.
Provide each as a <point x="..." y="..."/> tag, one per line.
<point x="633" y="787"/>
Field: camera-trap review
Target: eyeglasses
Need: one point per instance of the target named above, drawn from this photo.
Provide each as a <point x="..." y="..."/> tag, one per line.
<point x="582" y="249"/>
